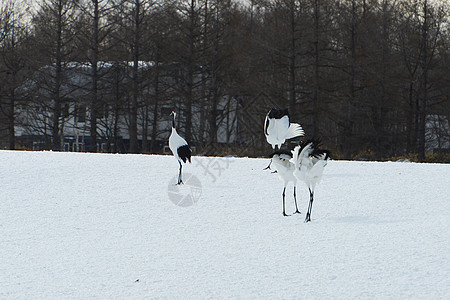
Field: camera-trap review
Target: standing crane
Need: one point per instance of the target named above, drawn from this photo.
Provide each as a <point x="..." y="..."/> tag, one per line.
<point x="309" y="162"/>
<point x="179" y="147"/>
<point x="285" y="170"/>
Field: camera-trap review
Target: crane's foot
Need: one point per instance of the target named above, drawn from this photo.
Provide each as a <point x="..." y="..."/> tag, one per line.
<point x="297" y="212"/>
<point x="284" y="214"/>
<point x="308" y="218"/>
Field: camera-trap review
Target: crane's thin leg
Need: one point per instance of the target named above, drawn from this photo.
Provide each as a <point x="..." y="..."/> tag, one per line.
<point x="295" y="200"/>
<point x="179" y="175"/>
<point x="311" y="199"/>
<point x="284" y="206"/>
<point x="268" y="167"/>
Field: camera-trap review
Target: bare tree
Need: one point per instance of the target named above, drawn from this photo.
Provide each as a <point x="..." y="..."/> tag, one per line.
<point x="14" y="35"/>
<point x="135" y="13"/>
<point x="367" y="74"/>
<point x="6" y="17"/>
<point x="217" y="56"/>
<point x="421" y="37"/>
<point x="54" y="38"/>
<point x="159" y="36"/>
<point x="96" y="14"/>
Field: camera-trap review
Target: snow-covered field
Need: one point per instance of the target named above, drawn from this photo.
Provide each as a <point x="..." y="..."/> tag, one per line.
<point x="80" y="226"/>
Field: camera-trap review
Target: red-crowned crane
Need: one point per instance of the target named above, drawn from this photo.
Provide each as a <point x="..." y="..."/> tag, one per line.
<point x="179" y="147"/>
<point x="309" y="163"/>
<point x="277" y="128"/>
<point x="285" y="170"/>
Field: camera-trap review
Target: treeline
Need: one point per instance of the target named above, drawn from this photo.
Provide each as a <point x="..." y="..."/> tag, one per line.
<point x="367" y="76"/>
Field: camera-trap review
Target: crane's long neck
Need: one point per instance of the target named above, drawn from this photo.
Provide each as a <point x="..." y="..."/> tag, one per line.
<point x="173" y="122"/>
<point x="295" y="155"/>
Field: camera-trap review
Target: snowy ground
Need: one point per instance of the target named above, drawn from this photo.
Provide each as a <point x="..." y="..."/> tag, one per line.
<point x="80" y="226"/>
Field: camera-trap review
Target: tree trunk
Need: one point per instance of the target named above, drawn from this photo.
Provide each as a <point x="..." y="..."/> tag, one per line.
<point x="190" y="74"/>
<point x="348" y="130"/>
<point x="94" y="91"/>
<point x="315" y="112"/>
<point x="153" y="144"/>
<point x="56" y="143"/>
<point x="144" y="147"/>
<point x="11" y="119"/>
<point x="292" y="63"/>
<point x="135" y="92"/>
<point x="424" y="85"/>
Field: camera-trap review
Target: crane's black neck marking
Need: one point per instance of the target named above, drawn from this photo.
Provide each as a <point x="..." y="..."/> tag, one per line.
<point x="278" y="113"/>
<point x="173" y="121"/>
<point x="281" y="151"/>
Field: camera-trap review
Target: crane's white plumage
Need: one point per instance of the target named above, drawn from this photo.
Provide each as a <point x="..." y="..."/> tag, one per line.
<point x="278" y="129"/>
<point x="175" y="142"/>
<point x="309" y="163"/>
<point x="179" y="147"/>
<point x="285" y="170"/>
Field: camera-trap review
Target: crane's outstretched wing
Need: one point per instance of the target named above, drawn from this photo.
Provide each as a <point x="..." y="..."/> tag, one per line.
<point x="294" y="130"/>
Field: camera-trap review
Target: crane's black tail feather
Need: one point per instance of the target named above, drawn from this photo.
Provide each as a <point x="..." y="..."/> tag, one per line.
<point x="184" y="152"/>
